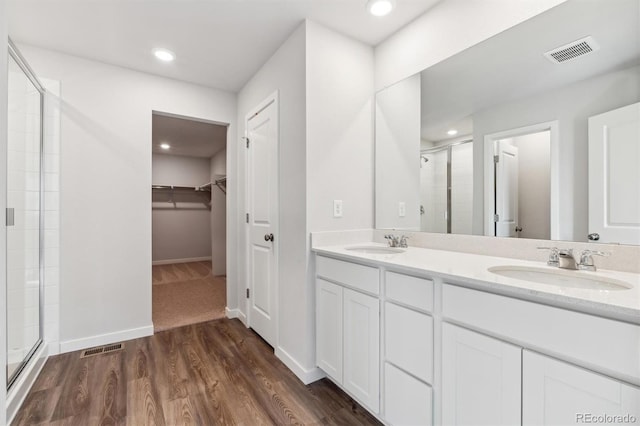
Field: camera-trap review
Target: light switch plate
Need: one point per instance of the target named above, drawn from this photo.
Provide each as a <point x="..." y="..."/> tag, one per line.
<point x="337" y="208"/>
<point x="402" y="209"/>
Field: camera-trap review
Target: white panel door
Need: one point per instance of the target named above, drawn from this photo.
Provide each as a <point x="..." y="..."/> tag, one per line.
<point x="361" y="369"/>
<point x="329" y="328"/>
<point x="480" y="379"/>
<point x="557" y="393"/>
<point x="506" y="190"/>
<point x="262" y="201"/>
<point x="614" y="175"/>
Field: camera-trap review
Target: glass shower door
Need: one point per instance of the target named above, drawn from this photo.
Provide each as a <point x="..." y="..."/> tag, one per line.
<point x="24" y="218"/>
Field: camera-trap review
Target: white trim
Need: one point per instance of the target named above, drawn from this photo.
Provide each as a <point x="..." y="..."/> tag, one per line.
<point x="273" y="98"/>
<point x="104" y="339"/>
<point x="237" y="313"/>
<point x="305" y="375"/>
<point x="18" y="392"/>
<point x="185" y="260"/>
<point x="489" y="152"/>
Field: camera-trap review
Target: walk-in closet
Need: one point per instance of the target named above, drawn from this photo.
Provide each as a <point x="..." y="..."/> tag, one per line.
<point x="188" y="220"/>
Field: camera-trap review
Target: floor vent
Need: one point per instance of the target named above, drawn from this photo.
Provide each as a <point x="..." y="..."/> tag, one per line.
<point x="102" y="350"/>
<point x="572" y="50"/>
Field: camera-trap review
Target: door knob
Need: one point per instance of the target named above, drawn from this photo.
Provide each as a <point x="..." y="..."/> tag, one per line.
<point x="594" y="237"/>
<point x="268" y="237"/>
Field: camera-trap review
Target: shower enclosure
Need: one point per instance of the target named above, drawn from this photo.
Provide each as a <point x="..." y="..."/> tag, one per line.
<point x="24" y="215"/>
<point x="446" y="188"/>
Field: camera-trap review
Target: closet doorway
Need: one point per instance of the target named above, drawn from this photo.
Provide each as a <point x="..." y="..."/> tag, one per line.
<point x="188" y="220"/>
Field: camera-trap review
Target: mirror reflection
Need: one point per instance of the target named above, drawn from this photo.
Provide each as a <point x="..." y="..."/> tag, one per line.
<point x="533" y="133"/>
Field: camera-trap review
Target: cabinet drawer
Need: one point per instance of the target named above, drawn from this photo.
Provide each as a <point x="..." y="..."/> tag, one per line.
<point x="409" y="341"/>
<point x="361" y="277"/>
<point x="407" y="401"/>
<point x="605" y="345"/>
<point x="412" y="291"/>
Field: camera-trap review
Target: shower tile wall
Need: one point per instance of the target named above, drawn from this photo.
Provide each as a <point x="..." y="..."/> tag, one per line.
<point x="51" y="171"/>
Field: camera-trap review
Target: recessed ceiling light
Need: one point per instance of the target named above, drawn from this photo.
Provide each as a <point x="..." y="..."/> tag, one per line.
<point x="165" y="146"/>
<point x="164" y="55"/>
<point x="452" y="132"/>
<point x="380" y="7"/>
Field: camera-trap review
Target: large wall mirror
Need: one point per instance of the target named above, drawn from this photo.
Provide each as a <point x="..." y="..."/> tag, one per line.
<point x="534" y="133"/>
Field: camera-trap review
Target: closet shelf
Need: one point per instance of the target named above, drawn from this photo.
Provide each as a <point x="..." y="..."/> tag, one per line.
<point x="174" y="194"/>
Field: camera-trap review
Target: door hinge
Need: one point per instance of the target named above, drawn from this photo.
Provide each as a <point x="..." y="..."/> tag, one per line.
<point x="247" y="217"/>
<point x="247" y="139"/>
<point x="11" y="216"/>
<point x="247" y="293"/>
<point x="496" y="218"/>
<point x="496" y="159"/>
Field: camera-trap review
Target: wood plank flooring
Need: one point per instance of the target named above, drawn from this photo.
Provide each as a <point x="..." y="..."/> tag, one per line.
<point x="213" y="373"/>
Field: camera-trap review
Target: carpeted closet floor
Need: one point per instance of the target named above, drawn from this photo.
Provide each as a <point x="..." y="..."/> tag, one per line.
<point x="186" y="293"/>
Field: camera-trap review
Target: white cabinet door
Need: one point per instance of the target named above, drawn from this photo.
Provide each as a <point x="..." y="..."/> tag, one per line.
<point x="481" y="379"/>
<point x="557" y="393"/>
<point x="408" y="401"/>
<point x="329" y="328"/>
<point x="362" y="347"/>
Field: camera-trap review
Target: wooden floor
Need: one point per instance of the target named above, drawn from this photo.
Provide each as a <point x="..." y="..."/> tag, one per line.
<point x="213" y="373"/>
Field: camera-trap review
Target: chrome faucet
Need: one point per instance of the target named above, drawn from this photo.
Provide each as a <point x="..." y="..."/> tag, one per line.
<point x="566" y="259"/>
<point x="586" y="259"/>
<point x="395" y="241"/>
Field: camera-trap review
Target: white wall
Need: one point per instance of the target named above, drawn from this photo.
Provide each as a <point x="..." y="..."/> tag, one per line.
<point x="446" y="29"/>
<point x="218" y="168"/>
<point x="181" y="232"/>
<point x="284" y="72"/>
<point x="398" y="164"/>
<point x="571" y="106"/>
<point x="339" y="130"/>
<point x="106" y="187"/>
<point x="3" y="204"/>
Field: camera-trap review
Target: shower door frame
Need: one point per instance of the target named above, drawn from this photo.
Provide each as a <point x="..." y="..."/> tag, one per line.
<point x="15" y="54"/>
<point x="448" y="148"/>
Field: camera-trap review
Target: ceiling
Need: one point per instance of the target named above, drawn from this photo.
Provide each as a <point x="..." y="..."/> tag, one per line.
<point x="187" y="137"/>
<point x="512" y="65"/>
<point x="218" y="43"/>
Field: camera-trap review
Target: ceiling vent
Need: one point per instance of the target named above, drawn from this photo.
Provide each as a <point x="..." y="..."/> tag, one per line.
<point x="572" y="50"/>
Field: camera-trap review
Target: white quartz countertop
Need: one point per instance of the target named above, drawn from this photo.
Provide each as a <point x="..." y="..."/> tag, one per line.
<point x="472" y="270"/>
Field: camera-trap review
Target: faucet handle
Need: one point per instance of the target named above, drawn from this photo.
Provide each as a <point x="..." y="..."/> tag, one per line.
<point x="554" y="258"/>
<point x="403" y="241"/>
<point x="586" y="259"/>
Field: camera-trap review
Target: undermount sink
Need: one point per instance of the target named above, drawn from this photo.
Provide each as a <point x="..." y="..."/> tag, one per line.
<point x="560" y="277"/>
<point x="375" y="250"/>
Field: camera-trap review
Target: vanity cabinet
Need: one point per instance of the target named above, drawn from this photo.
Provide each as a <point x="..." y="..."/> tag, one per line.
<point x="558" y="393"/>
<point x="481" y="379"/>
<point x="348" y="328"/>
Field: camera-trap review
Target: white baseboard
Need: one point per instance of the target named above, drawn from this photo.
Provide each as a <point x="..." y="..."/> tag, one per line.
<point x="104" y="339"/>
<point x="306" y="376"/>
<point x="28" y="376"/>
<point x="186" y="260"/>
<point x="236" y="313"/>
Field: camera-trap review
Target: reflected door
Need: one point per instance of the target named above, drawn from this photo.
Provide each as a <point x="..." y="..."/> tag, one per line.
<point x="23" y="219"/>
<point x="506" y="190"/>
<point x="614" y="176"/>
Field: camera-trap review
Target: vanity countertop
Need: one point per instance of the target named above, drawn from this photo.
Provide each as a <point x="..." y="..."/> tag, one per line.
<point x="472" y="270"/>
